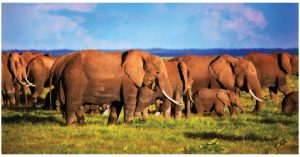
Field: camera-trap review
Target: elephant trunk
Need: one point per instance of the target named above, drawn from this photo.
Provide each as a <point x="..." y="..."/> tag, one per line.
<point x="165" y="86"/>
<point x="256" y="92"/>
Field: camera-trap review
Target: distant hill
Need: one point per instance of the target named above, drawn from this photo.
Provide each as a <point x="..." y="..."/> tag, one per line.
<point x="179" y="52"/>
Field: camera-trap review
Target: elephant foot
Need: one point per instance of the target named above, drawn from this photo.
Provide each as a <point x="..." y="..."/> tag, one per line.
<point x="70" y="124"/>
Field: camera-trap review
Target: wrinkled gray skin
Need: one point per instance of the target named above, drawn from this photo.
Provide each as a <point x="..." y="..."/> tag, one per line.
<point x="272" y="70"/>
<point x="95" y="77"/>
<point x="223" y="72"/>
<point x="214" y="101"/>
<point x="181" y="83"/>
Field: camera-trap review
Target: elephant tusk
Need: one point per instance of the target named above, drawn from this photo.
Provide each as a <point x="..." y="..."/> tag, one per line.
<point x="255" y="97"/>
<point x="153" y="86"/>
<point x="174" y="101"/>
<point x="23" y="83"/>
<point x="190" y="96"/>
<point x="31" y="84"/>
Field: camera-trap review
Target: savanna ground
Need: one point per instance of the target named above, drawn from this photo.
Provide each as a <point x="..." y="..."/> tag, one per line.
<point x="27" y="131"/>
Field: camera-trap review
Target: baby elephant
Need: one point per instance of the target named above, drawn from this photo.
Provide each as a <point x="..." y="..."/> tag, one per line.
<point x="214" y="101"/>
<point x="290" y="102"/>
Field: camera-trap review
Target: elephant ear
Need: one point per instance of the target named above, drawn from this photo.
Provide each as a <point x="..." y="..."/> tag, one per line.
<point x="286" y="63"/>
<point x="221" y="69"/>
<point x="223" y="96"/>
<point x="134" y="66"/>
<point x="185" y="74"/>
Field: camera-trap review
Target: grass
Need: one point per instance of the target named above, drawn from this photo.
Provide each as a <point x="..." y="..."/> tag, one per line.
<point x="27" y="131"/>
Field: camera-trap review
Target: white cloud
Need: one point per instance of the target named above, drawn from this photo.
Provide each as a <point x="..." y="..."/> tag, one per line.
<point x="232" y="25"/>
<point x="53" y="31"/>
<point x="78" y="7"/>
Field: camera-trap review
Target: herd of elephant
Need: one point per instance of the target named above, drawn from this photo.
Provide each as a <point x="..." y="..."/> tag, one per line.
<point x="134" y="79"/>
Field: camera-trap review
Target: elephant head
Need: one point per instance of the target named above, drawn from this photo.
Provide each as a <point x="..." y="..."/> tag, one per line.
<point x="148" y="70"/>
<point x="289" y="63"/>
<point x="236" y="73"/>
<point x="229" y="98"/>
<point x="17" y="66"/>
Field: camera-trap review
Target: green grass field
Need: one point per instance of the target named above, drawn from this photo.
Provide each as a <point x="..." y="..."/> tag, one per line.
<point x="26" y="131"/>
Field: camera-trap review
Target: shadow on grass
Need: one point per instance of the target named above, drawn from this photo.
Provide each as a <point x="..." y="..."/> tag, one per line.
<point x="213" y="135"/>
<point x="273" y="121"/>
<point x="17" y="119"/>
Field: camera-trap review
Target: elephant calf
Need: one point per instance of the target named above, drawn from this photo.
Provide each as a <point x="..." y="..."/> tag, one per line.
<point x="290" y="102"/>
<point x="214" y="101"/>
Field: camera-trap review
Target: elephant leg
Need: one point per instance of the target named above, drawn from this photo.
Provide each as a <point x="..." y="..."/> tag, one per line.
<point x="282" y="84"/>
<point x="72" y="107"/>
<point x="17" y="94"/>
<point x="12" y="100"/>
<point x="178" y="97"/>
<point x="129" y="99"/>
<point x="37" y="92"/>
<point x="166" y="109"/>
<point x="273" y="92"/>
<point x="24" y="88"/>
<point x="129" y="108"/>
<point x="80" y="116"/>
<point x="115" y="110"/>
<point x="74" y="99"/>
<point x="71" y="117"/>
<point x="187" y="103"/>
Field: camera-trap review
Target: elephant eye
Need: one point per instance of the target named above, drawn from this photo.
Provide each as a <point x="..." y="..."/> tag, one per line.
<point x="157" y="72"/>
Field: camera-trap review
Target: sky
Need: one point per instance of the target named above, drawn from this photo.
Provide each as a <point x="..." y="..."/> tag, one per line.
<point x="149" y="25"/>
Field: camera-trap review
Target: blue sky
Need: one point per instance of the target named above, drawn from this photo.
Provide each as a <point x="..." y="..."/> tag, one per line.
<point x="149" y="25"/>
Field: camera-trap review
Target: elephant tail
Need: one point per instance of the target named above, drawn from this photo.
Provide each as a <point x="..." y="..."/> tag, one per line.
<point x="56" y="71"/>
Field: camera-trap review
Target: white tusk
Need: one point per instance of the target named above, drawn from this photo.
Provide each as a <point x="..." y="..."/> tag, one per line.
<point x="174" y="101"/>
<point x="22" y="82"/>
<point x="254" y="96"/>
<point x="31" y="84"/>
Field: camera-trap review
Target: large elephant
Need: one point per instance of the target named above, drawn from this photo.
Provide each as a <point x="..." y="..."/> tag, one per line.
<point x="17" y="65"/>
<point x="38" y="72"/>
<point x="8" y="89"/>
<point x="95" y="77"/>
<point x="272" y="70"/>
<point x="225" y="72"/>
<point x="181" y="83"/>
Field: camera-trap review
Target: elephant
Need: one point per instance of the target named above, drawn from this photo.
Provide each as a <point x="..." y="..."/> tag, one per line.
<point x="290" y="103"/>
<point x="8" y="89"/>
<point x="96" y="109"/>
<point x="214" y="101"/>
<point x="28" y="56"/>
<point x="17" y="65"/>
<point x="96" y="77"/>
<point x="272" y="70"/>
<point x="225" y="72"/>
<point x="181" y="83"/>
<point x="38" y="71"/>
